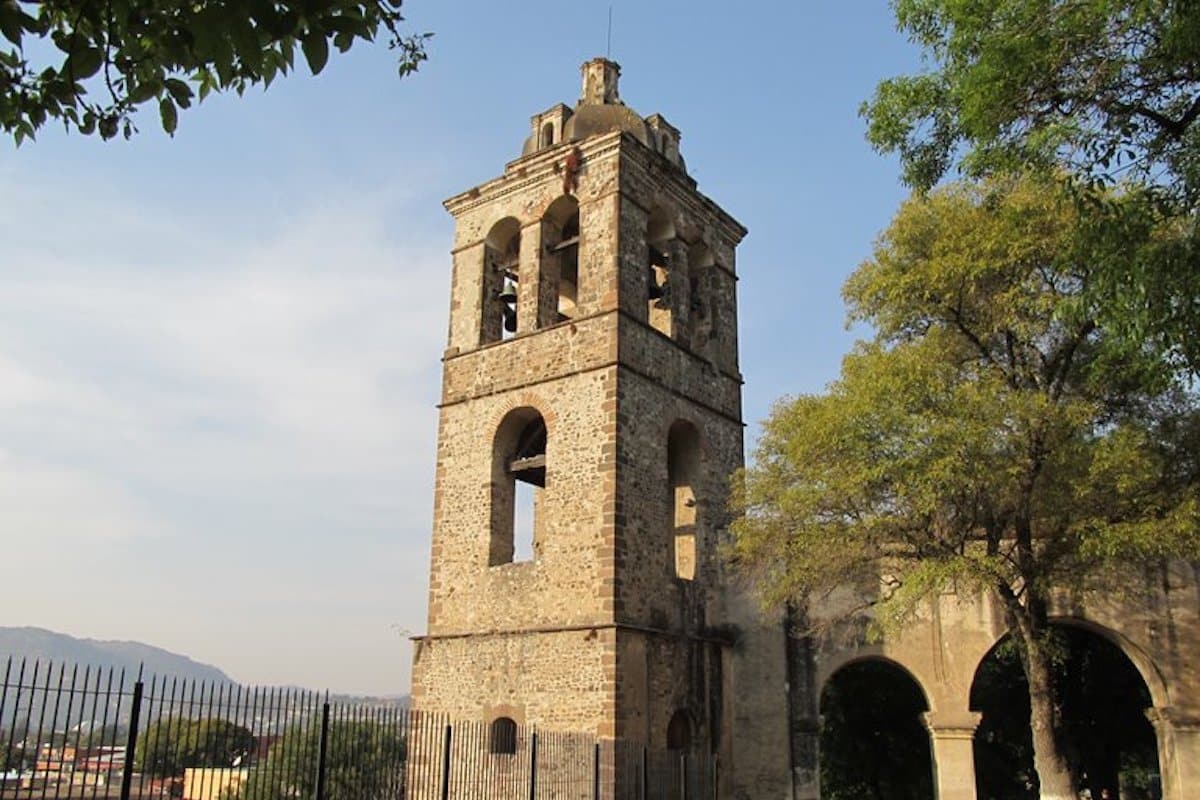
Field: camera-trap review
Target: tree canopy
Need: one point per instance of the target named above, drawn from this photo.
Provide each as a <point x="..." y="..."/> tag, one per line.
<point x="988" y="435"/>
<point x="90" y="64"/>
<point x="1106" y="90"/>
<point x="364" y="760"/>
<point x="171" y="745"/>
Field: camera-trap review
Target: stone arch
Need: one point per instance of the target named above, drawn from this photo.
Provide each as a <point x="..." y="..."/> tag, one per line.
<point x="502" y="736"/>
<point x="874" y="739"/>
<point x="1156" y="683"/>
<point x="702" y="311"/>
<point x="519" y="466"/>
<point x="680" y="731"/>
<point x="848" y="658"/>
<point x="558" y="274"/>
<point x="501" y="279"/>
<point x="1105" y="697"/>
<point x="660" y="254"/>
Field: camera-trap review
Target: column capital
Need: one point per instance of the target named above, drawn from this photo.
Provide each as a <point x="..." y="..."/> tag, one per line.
<point x="1173" y="718"/>
<point x="951" y="724"/>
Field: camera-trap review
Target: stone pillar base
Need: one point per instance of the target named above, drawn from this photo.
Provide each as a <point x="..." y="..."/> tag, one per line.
<point x="952" y="740"/>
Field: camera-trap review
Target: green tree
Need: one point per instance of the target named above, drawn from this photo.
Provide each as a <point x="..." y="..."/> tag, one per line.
<point x="1108" y="90"/>
<point x="171" y="745"/>
<point x="364" y="760"/>
<point x="986" y="437"/>
<point x="91" y="63"/>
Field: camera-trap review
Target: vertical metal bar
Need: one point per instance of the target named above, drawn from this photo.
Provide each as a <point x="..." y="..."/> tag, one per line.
<point x="596" y="772"/>
<point x="62" y="669"/>
<point x="104" y="723"/>
<point x="78" y="728"/>
<point x="446" y="764"/>
<point x="645" y="774"/>
<point x="131" y="741"/>
<point x="181" y="695"/>
<point x="322" y="749"/>
<point x="148" y="703"/>
<point x="12" y="727"/>
<point x="533" y="765"/>
<point x="87" y="674"/>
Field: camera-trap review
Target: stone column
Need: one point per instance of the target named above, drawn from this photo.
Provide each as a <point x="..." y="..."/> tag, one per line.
<point x="952" y="739"/>
<point x="1178" y="735"/>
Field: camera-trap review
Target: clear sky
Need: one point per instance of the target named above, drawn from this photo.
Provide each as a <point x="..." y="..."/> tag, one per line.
<point x="219" y="354"/>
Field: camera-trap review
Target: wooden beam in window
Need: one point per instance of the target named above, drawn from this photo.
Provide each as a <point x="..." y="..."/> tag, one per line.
<point x="532" y="462"/>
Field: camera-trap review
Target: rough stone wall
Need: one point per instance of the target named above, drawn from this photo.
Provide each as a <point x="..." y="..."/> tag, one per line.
<point x="553" y="680"/>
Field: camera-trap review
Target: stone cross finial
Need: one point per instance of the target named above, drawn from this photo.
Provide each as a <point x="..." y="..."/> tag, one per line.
<point x="600" y="82"/>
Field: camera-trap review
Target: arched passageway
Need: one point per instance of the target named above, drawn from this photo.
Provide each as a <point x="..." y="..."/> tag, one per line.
<point x="1105" y="736"/>
<point x="874" y="745"/>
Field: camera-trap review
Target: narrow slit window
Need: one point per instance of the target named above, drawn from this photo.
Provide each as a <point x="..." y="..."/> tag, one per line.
<point x="683" y="470"/>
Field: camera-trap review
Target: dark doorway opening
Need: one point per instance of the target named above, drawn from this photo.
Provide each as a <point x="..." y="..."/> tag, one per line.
<point x="874" y="745"/>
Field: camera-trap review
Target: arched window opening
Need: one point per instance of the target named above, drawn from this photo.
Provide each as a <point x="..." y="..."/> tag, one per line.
<point x="559" y="294"/>
<point x="502" y="738"/>
<point x="679" y="731"/>
<point x="1102" y="700"/>
<point x="660" y="235"/>
<point x="501" y="276"/>
<point x="547" y="137"/>
<point x="873" y="741"/>
<point x="683" y="472"/>
<point x="700" y="305"/>
<point x="518" y="480"/>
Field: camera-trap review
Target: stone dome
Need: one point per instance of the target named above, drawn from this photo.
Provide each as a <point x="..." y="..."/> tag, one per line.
<point x="589" y="120"/>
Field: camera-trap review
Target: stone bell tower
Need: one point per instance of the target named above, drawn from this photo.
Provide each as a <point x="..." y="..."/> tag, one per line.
<point x="590" y="418"/>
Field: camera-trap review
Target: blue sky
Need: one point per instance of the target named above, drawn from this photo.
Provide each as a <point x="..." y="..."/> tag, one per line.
<point x="219" y="352"/>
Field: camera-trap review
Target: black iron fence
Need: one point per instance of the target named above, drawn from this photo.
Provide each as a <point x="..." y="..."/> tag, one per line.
<point x="101" y="734"/>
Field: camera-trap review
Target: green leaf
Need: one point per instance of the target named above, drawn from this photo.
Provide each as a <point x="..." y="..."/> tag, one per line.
<point x="84" y="63"/>
<point x="316" y="51"/>
<point x="143" y="91"/>
<point x="170" y="117"/>
<point x="181" y="93"/>
<point x="10" y="21"/>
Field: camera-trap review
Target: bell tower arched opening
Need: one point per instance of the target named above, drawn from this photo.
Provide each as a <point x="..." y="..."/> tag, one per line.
<point x="558" y="292"/>
<point x="660" y="237"/>
<point x="501" y="277"/>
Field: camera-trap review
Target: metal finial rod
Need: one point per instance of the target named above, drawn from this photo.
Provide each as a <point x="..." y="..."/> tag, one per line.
<point x="608" y="49"/>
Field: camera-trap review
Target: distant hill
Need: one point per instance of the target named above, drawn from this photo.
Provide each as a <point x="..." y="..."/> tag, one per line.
<point x="44" y="645"/>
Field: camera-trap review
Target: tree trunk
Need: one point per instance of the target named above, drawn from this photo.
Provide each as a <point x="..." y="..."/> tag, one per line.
<point x="1053" y="773"/>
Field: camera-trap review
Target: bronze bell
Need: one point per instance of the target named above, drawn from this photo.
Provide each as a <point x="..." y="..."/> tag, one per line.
<point x="508" y="295"/>
<point x="656" y="291"/>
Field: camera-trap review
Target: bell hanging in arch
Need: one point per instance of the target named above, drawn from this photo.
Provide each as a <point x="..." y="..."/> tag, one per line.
<point x="508" y="295"/>
<point x="656" y="290"/>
